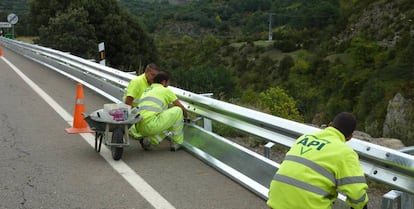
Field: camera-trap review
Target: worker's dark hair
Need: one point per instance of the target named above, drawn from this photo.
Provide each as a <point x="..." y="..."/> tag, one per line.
<point x="345" y="122"/>
<point x="151" y="66"/>
<point x="161" y="76"/>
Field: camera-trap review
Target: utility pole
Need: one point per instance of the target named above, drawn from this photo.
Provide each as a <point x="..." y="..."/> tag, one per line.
<point x="270" y="26"/>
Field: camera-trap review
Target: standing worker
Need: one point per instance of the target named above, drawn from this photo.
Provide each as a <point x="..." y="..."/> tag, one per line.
<point x="317" y="167"/>
<point x="135" y="89"/>
<point x="159" y="121"/>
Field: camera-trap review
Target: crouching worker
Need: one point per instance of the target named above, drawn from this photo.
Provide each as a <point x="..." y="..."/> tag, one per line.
<point x="135" y="89"/>
<point x="317" y="166"/>
<point x="159" y="121"/>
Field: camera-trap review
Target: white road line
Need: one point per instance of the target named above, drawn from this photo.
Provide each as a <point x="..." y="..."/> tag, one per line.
<point x="136" y="181"/>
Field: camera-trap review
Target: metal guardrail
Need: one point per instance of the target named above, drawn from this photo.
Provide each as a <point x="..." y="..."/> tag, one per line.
<point x="254" y="171"/>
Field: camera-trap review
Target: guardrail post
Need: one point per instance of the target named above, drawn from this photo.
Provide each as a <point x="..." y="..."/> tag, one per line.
<point x="390" y="199"/>
<point x="207" y="125"/>
<point x="407" y="201"/>
<point x="267" y="149"/>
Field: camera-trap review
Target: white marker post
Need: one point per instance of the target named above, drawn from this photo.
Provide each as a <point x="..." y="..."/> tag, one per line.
<point x="101" y="48"/>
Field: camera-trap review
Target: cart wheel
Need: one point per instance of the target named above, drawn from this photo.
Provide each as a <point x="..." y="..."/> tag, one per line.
<point x="117" y="137"/>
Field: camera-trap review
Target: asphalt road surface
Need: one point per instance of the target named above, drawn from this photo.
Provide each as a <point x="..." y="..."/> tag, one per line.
<point x="41" y="166"/>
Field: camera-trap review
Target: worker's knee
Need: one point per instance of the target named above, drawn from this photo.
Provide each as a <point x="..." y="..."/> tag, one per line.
<point x="178" y="111"/>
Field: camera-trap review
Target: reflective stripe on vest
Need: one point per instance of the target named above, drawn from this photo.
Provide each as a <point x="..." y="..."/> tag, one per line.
<point x="179" y="123"/>
<point x="153" y="99"/>
<point x="176" y="132"/>
<point x="158" y="137"/>
<point x="152" y="108"/>
<point x="314" y="166"/>
<point x="351" y="180"/>
<point x="300" y="184"/>
<point x="323" y="172"/>
<point x="354" y="180"/>
<point x="361" y="199"/>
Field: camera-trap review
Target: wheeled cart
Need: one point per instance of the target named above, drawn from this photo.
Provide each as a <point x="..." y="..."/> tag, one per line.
<point x="114" y="133"/>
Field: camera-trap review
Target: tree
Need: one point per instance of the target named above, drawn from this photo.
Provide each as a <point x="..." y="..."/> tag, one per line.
<point x="276" y="102"/>
<point x="284" y="67"/>
<point x="127" y="45"/>
<point x="70" y="31"/>
<point x="205" y="79"/>
<point x="42" y="10"/>
<point x="363" y="52"/>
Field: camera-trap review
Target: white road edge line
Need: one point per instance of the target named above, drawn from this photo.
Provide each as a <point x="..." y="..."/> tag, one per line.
<point x="136" y="181"/>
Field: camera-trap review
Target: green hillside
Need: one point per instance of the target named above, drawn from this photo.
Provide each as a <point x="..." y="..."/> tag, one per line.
<point x="328" y="56"/>
<point x="320" y="57"/>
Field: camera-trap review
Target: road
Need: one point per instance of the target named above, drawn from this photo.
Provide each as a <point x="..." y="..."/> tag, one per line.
<point x="44" y="167"/>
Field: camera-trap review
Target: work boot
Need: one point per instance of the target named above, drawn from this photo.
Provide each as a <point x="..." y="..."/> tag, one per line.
<point x="145" y="143"/>
<point x="175" y="147"/>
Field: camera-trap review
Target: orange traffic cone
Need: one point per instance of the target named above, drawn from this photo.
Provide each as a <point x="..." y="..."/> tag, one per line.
<point x="79" y="124"/>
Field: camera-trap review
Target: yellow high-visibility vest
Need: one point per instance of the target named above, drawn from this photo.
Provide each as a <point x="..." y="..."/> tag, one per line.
<point x="315" y="168"/>
<point x="155" y="99"/>
<point x="135" y="88"/>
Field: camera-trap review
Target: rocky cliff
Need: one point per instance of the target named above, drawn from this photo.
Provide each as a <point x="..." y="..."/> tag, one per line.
<point x="399" y="121"/>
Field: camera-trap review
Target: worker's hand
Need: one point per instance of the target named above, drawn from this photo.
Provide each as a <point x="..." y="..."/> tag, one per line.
<point x="187" y="120"/>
